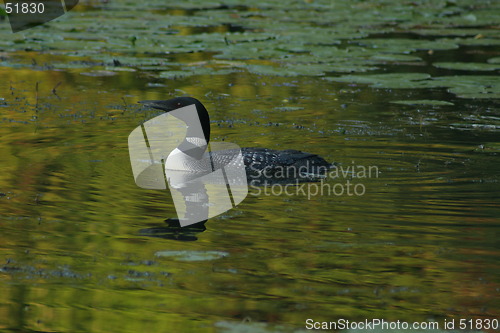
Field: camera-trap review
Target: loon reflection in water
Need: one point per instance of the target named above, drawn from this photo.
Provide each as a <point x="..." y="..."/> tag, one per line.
<point x="263" y="166"/>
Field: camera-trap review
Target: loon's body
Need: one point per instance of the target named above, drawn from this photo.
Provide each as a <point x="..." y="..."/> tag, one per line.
<point x="257" y="159"/>
<point x="192" y="155"/>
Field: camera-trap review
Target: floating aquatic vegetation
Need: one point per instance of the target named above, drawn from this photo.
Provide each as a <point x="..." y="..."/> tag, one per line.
<point x="172" y="74"/>
<point x="462" y="32"/>
<point x="471" y="86"/>
<point x="130" y="61"/>
<point x="423" y="102"/>
<point x="391" y="81"/>
<point x="475" y="41"/>
<point x="303" y="38"/>
<point x="466" y="86"/>
<point x="270" y="70"/>
<point x="98" y="73"/>
<point x="467" y="66"/>
<point x="402" y="45"/>
<point x="192" y="255"/>
<point x="395" y="57"/>
<point x="252" y="327"/>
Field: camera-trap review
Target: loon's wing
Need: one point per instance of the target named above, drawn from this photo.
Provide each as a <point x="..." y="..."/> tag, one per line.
<point x="260" y="158"/>
<point x="291" y="156"/>
<point x="268" y="166"/>
<point x="223" y="158"/>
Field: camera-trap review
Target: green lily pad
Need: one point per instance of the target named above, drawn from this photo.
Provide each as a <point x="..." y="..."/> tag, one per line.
<point x="99" y="73"/>
<point x="254" y="327"/>
<point x="190" y="71"/>
<point x="465" y="86"/>
<point x="175" y="74"/>
<point x="271" y="70"/>
<point x="454" y="32"/>
<point x="467" y="66"/>
<point x="395" y="57"/>
<point x="471" y="86"/>
<point x="70" y="65"/>
<point x="13" y="64"/>
<point x="495" y="60"/>
<point x="157" y="68"/>
<point x="423" y="102"/>
<point x="391" y="81"/>
<point x="474" y="41"/>
<point x="322" y="69"/>
<point x="130" y="61"/>
<point x="474" y="92"/>
<point x="401" y="45"/>
<point x="119" y="69"/>
<point x="245" y="37"/>
<point x="380" y="78"/>
<point x="192" y="255"/>
<point x="253" y="50"/>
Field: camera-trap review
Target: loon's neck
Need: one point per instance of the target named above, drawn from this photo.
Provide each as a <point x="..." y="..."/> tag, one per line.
<point x="193" y="146"/>
<point x="188" y="154"/>
<point x="192" y="149"/>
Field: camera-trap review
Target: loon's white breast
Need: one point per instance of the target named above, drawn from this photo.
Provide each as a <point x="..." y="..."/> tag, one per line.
<point x="182" y="161"/>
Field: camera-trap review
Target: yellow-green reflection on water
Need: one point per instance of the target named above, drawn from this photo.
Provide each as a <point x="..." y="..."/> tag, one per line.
<point x="421" y="244"/>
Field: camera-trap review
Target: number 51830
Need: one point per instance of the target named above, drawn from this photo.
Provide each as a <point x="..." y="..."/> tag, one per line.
<point x="24" y="8"/>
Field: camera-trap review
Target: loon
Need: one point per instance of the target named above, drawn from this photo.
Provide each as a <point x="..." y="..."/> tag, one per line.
<point x="285" y="164"/>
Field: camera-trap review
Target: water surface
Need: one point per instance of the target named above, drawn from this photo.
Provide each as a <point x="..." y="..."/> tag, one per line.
<point x="85" y="250"/>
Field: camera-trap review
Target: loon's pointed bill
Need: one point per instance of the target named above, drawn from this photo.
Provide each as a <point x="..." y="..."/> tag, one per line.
<point x="174" y="103"/>
<point x="159" y="104"/>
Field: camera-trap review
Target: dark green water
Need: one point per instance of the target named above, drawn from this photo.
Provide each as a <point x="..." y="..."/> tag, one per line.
<point x="421" y="243"/>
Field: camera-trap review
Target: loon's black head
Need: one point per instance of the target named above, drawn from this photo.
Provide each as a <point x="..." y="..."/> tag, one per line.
<point x="179" y="102"/>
